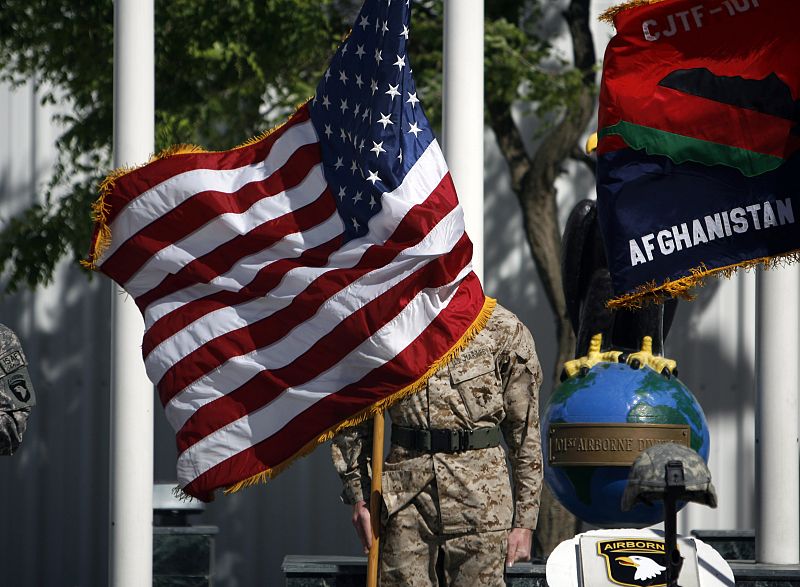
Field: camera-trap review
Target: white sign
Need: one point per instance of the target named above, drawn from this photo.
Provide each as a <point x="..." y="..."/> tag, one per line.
<point x="633" y="561"/>
<point x="610" y="558"/>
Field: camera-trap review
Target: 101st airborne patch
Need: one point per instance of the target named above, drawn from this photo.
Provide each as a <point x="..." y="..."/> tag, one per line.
<point x="635" y="562"/>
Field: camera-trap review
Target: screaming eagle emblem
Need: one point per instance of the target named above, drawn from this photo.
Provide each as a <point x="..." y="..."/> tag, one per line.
<point x="634" y="562"/>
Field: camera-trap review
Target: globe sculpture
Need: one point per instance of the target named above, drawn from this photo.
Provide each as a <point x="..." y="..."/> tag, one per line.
<point x="613" y="412"/>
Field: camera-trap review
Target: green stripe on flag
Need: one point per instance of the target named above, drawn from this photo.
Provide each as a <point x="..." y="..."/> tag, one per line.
<point x="681" y="149"/>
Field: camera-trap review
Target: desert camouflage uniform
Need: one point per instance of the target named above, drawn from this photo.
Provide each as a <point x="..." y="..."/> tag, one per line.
<point x="16" y="392"/>
<point x="460" y="504"/>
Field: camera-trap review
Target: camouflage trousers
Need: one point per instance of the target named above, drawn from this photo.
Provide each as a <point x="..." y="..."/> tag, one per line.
<point x="414" y="552"/>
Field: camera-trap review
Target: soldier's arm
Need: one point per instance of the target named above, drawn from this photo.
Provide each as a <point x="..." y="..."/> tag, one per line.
<point x="350" y="450"/>
<point x="522" y="377"/>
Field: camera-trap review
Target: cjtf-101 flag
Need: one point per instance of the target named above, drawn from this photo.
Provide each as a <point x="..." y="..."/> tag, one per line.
<point x="304" y="281"/>
<point x="699" y="150"/>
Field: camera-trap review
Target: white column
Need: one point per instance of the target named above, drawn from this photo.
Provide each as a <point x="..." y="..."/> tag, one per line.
<point x="131" y="532"/>
<point x="463" y="112"/>
<point x="777" y="465"/>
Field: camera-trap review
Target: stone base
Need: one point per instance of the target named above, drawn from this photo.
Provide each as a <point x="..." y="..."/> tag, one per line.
<point x="750" y="574"/>
<point x="733" y="545"/>
<point x="183" y="556"/>
<point x="325" y="571"/>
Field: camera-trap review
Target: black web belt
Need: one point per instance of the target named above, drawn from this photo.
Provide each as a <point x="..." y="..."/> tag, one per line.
<point x="440" y="440"/>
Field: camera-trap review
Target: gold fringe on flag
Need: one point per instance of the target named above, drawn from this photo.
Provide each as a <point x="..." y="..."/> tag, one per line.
<point x="478" y="325"/>
<point x="681" y="288"/>
<point x="100" y="208"/>
<point x="100" y="211"/>
<point x="610" y="14"/>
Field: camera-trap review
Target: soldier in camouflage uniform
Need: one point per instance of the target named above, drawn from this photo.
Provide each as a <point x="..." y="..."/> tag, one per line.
<point x="448" y="500"/>
<point x="16" y="392"/>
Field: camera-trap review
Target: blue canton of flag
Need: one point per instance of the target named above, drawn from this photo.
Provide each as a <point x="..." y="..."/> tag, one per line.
<point x="367" y="114"/>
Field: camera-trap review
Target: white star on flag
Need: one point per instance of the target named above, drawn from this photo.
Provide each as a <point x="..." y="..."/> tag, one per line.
<point x="385" y="120"/>
<point x="378" y="148"/>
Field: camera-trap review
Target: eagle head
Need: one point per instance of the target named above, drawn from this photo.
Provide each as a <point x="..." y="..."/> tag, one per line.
<point x="646" y="568"/>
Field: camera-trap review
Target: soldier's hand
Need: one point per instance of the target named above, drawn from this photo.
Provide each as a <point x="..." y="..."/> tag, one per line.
<point x="519" y="546"/>
<point x="361" y="521"/>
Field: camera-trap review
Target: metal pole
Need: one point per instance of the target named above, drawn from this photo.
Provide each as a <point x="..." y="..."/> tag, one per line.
<point x="675" y="482"/>
<point x="131" y="532"/>
<point x="670" y="539"/>
<point x="376" y="498"/>
<point x="777" y="465"/>
<point x="463" y="112"/>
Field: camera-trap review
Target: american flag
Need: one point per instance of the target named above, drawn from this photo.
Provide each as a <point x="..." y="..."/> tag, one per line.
<point x="300" y="283"/>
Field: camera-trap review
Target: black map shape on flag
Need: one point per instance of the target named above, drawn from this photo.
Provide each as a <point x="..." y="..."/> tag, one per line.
<point x="770" y="95"/>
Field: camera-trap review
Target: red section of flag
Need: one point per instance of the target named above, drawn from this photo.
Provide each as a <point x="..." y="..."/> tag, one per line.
<point x="194" y="213"/>
<point x="174" y="322"/>
<point x="281" y="447"/>
<point x="159" y="171"/>
<point x="324" y="354"/>
<point x="266" y="331"/>
<point x="737" y="42"/>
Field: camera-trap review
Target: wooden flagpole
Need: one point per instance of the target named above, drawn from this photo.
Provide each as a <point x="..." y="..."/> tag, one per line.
<point x="375" y="499"/>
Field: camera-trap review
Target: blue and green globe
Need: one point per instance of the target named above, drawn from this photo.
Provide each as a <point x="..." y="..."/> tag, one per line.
<point x="616" y="393"/>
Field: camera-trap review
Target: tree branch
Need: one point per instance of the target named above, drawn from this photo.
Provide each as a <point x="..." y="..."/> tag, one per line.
<point x="510" y="142"/>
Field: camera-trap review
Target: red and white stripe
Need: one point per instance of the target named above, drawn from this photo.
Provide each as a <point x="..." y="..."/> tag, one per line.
<point x="264" y="328"/>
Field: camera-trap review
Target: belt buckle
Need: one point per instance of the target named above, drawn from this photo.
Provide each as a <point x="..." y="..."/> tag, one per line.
<point x="464" y="437"/>
<point x="459" y="440"/>
<point x="455" y="440"/>
<point x="422" y="442"/>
